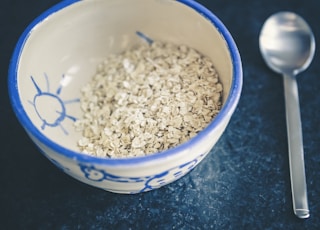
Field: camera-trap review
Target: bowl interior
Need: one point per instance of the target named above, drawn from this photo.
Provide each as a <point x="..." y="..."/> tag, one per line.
<point x="60" y="53"/>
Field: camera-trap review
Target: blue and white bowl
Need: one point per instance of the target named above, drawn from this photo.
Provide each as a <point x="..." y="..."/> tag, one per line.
<point x="58" y="54"/>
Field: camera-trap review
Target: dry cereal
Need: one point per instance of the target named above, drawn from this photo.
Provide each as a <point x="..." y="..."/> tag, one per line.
<point x="147" y="100"/>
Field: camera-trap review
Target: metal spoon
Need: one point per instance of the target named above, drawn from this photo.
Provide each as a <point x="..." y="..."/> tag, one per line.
<point x="287" y="45"/>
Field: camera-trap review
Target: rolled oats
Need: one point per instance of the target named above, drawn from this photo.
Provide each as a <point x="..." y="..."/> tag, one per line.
<point x="147" y="100"/>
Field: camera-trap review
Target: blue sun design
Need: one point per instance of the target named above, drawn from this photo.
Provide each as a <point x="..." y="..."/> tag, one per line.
<point x="50" y="107"/>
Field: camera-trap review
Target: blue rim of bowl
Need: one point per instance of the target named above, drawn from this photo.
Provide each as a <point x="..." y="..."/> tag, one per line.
<point x="227" y="109"/>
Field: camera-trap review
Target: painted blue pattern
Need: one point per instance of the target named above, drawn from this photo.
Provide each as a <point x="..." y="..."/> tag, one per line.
<point x="150" y="182"/>
<point x="54" y="102"/>
<point x="60" y="166"/>
<point x="144" y="37"/>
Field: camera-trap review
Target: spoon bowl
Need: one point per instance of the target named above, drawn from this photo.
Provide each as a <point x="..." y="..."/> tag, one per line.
<point x="287" y="45"/>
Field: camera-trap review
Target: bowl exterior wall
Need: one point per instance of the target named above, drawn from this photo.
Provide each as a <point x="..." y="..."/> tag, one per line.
<point x="134" y="178"/>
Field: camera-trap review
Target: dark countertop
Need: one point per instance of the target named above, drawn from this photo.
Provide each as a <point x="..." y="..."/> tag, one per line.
<point x="244" y="182"/>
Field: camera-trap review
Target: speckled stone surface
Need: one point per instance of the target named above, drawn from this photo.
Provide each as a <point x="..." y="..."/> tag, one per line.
<point x="244" y="182"/>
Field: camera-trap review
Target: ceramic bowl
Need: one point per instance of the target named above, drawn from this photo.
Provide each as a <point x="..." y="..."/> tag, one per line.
<point x="58" y="54"/>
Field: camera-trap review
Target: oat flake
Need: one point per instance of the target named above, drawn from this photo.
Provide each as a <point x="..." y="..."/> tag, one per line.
<point x="146" y="100"/>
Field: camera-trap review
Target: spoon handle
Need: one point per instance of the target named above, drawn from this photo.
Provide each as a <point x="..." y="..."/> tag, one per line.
<point x="295" y="144"/>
